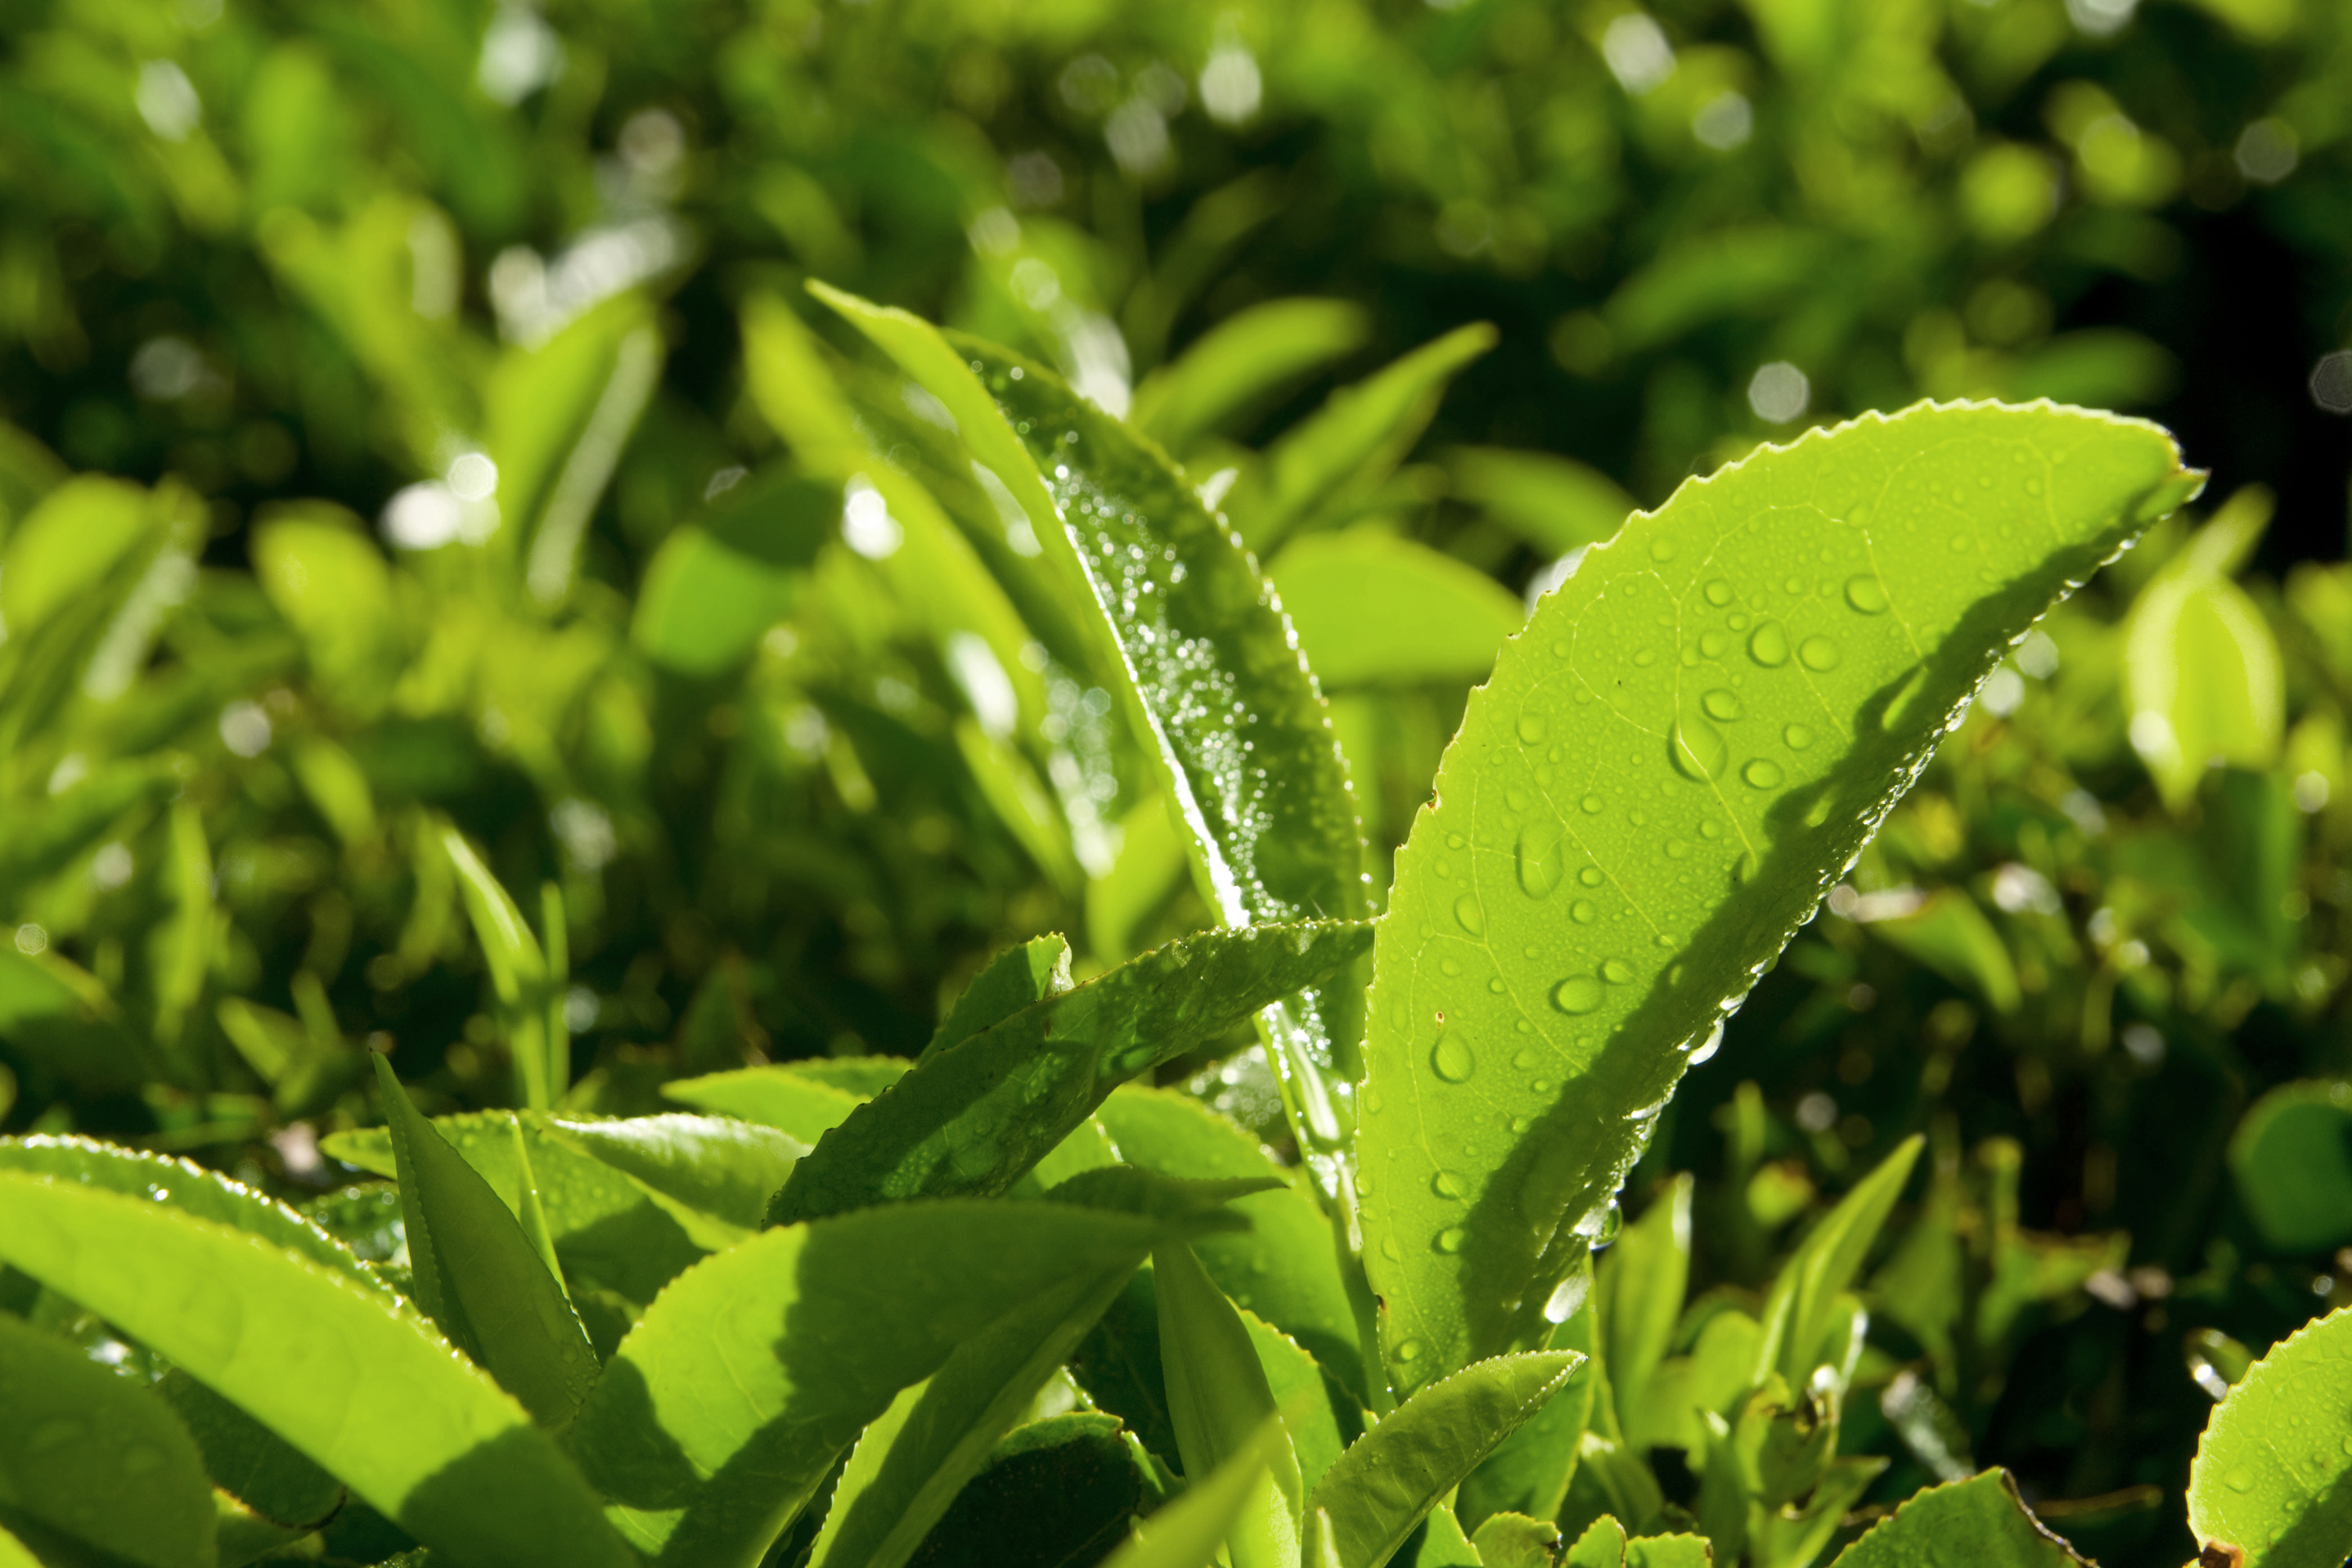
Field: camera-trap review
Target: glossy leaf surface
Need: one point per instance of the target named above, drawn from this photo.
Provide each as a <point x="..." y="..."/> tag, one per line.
<point x="1061" y="1490"/>
<point x="1218" y="1397"/>
<point x="1236" y="726"/>
<point x="730" y="1400"/>
<point x="970" y="1120"/>
<point x="2272" y="1476"/>
<point x="1695" y="735"/>
<point x="1029" y="972"/>
<point x="1979" y="1523"/>
<point x="479" y="1276"/>
<point x="713" y="1174"/>
<point x="773" y="1096"/>
<point x="412" y="1426"/>
<point x="248" y="1460"/>
<point x="1803" y="1314"/>
<point x="1372" y="609"/>
<point x="911" y="1463"/>
<point x="1395" y="1473"/>
<point x="85" y="1450"/>
<point x="1249" y="354"/>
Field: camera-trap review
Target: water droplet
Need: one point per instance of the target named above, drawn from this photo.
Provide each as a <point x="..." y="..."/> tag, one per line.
<point x="1472" y="917"/>
<point x="1819" y="653"/>
<point x="1445" y="1184"/>
<point x="1591" y="805"/>
<point x="1718" y="593"/>
<point x="1677" y="848"/>
<point x="1448" y="1240"/>
<point x="1591" y="876"/>
<point x="1455" y="841"/>
<point x="1517" y="800"/>
<point x="1390" y="1250"/>
<point x="1408" y="1350"/>
<point x="1616" y="971"/>
<point x="1451" y="1058"/>
<point x="1763" y="773"/>
<point x="1746" y="870"/>
<point x="1539" y="859"/>
<point x="1644" y="658"/>
<point x="1722" y="703"/>
<point x="1448" y="967"/>
<point x="2240" y="1479"/>
<point x="1524" y="1060"/>
<point x="1576" y="994"/>
<point x="1712" y="644"/>
<point x="1769" y="645"/>
<point x="1662" y="549"/>
<point x="1797" y="736"/>
<point x="1584" y="912"/>
<point x="1866" y="593"/>
<point x="1699" y="749"/>
<point x="1533" y="727"/>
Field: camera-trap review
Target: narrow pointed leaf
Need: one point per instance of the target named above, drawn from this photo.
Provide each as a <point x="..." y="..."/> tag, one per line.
<point x="1384" y="1485"/>
<point x="1236" y="726"/>
<point x="1059" y="1492"/>
<point x="772" y="1096"/>
<point x="1981" y="1522"/>
<point x="1218" y="1398"/>
<point x="937" y="1435"/>
<point x="729" y="1402"/>
<point x="1285" y="1267"/>
<point x="1638" y="1288"/>
<point x="1028" y="972"/>
<point x="412" y="1426"/>
<point x="1307" y="1396"/>
<point x="1803" y="1309"/>
<point x="970" y="1120"/>
<point x="248" y="1460"/>
<point x="1191" y="1531"/>
<point x="713" y="1174"/>
<point x="478" y="1274"/>
<point x="1240" y="361"/>
<point x="1694" y="736"/>
<point x="518" y="974"/>
<point x="1530" y="1472"/>
<point x="86" y="1451"/>
<point x="2272" y="1478"/>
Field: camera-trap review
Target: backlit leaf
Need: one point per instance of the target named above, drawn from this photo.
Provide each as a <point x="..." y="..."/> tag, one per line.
<point x="1249" y="354"/>
<point x="773" y="1096"/>
<point x="713" y="1174"/>
<point x="1371" y="608"/>
<point x="971" y="1119"/>
<point x="1981" y="1522"/>
<point x="1696" y="732"/>
<point x="2272" y="1476"/>
<point x="2291" y="1158"/>
<point x="1217" y="1400"/>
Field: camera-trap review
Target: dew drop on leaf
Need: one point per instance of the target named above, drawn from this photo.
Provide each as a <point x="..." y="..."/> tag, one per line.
<point x="1539" y="859"/>
<point x="1576" y="994"/>
<point x="1533" y="727"/>
<point x="1763" y="773"/>
<point x="1797" y="736"/>
<point x="1584" y="912"/>
<point x="1722" y="704"/>
<point x="1616" y="971"/>
<point x="1449" y="1240"/>
<point x="1662" y="549"/>
<point x="1718" y="593"/>
<point x="1410" y="1349"/>
<point x="1769" y="645"/>
<point x="1472" y="917"/>
<point x="1445" y="1184"/>
<point x="1592" y="804"/>
<point x="1818" y="654"/>
<point x="1699" y="751"/>
<point x="1451" y="1058"/>
<point x="1589" y="876"/>
<point x="1866" y="593"/>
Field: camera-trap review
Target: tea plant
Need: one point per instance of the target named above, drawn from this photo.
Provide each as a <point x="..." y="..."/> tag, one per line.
<point x="995" y="1302"/>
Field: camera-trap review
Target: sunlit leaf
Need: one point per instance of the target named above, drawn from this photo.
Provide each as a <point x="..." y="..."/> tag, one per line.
<point x="1218" y="1398"/>
<point x="1238" y="361"/>
<point x="1691" y="739"/>
<point x="1370" y="608"/>
<point x="713" y="1174"/>
<point x="1979" y="1520"/>
<point x="2272" y="1479"/>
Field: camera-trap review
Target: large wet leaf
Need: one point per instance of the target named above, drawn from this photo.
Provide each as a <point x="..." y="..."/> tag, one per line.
<point x="1385" y="1484"/>
<point x="1979" y="1523"/>
<point x="1237" y="727"/>
<point x="733" y="1397"/>
<point x="366" y="1389"/>
<point x="969" y="1121"/>
<point x="1695" y="735"/>
<point x="2272" y="1477"/>
<point x="85" y="1450"/>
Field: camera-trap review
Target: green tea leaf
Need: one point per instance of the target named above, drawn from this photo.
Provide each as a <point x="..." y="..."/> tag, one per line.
<point x="1803" y="1313"/>
<point x="729" y="1402"/>
<point x="1384" y="1485"/>
<point x="86" y="1451"/>
<point x="15" y="1554"/>
<point x="1353" y="441"/>
<point x="1013" y="979"/>
<point x="1693" y="737"/>
<point x="1530" y="1472"/>
<point x="1191" y="1533"/>
<point x="478" y="1275"/>
<point x="713" y="1174"/>
<point x="2291" y="1158"/>
<point x="717" y="583"/>
<point x="248" y="1460"/>
<point x="519" y="974"/>
<point x="1638" y="1291"/>
<point x="1374" y="609"/>
<point x="1514" y="1541"/>
<point x="1217" y="1400"/>
<point x="971" y="1119"/>
<point x="913" y="1460"/>
<point x="1250" y="353"/>
<point x="1307" y="1395"/>
<point x="1285" y="1267"/>
<point x="1981" y="1522"/>
<point x="190" y="1188"/>
<point x="601" y="1223"/>
<point x="1556" y="504"/>
<point x="2273" y="1478"/>
<point x="411" y="1428"/>
<point x="1208" y="658"/>
<point x="333" y="586"/>
<point x="1056" y="1493"/>
<point x="773" y="1096"/>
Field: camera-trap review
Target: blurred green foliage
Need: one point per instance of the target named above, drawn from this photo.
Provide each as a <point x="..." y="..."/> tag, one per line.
<point x="420" y="440"/>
